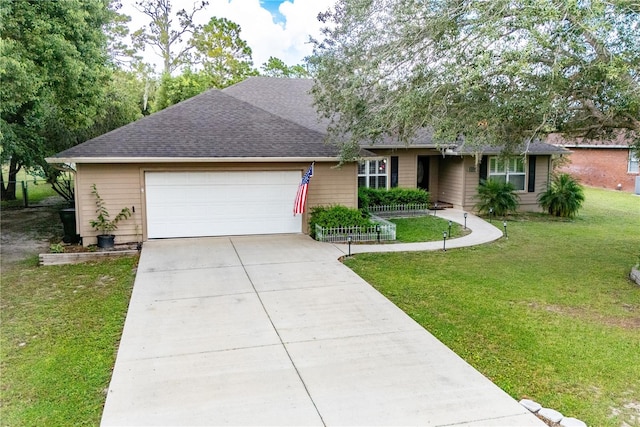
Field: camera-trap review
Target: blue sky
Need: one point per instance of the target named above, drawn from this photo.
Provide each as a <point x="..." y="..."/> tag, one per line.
<point x="272" y="6"/>
<point x="279" y="28"/>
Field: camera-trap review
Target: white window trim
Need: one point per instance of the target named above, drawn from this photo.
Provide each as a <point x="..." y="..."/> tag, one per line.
<point x="366" y="175"/>
<point x="524" y="173"/>
<point x="633" y="159"/>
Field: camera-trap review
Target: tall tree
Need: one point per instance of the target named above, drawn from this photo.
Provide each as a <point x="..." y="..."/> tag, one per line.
<point x="223" y="54"/>
<point x="275" y="67"/>
<point x="53" y="68"/>
<point x="161" y="35"/>
<point x="499" y="72"/>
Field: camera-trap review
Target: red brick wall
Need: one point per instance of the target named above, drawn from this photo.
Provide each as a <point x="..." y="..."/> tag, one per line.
<point x="601" y="167"/>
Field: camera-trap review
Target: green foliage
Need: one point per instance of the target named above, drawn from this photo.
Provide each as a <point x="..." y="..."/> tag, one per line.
<point x="103" y="223"/>
<point x="57" y="85"/>
<point x="394" y="196"/>
<point x="162" y="35"/>
<point x="493" y="73"/>
<point x="56" y="248"/>
<point x="177" y="89"/>
<point x="501" y="196"/>
<point x="563" y="198"/>
<point x="336" y="216"/>
<point x="224" y="56"/>
<point x="275" y="67"/>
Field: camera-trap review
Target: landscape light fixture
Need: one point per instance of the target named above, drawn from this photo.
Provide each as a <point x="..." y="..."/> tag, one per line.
<point x="490" y="214"/>
<point x="465" y="220"/>
<point x="378" y="231"/>
<point x="449" y="228"/>
<point x="444" y="241"/>
<point x="504" y="224"/>
<point x="349" y="239"/>
<point x="435" y="208"/>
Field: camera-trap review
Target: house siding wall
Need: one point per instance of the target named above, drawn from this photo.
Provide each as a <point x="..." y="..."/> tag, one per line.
<point x="451" y="181"/>
<point x="528" y="201"/>
<point x="601" y="167"/>
<point x="122" y="185"/>
<point x="119" y="186"/>
<point x="408" y="166"/>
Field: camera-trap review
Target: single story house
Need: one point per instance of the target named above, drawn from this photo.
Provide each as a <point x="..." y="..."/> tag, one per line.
<point x="601" y="163"/>
<point x="229" y="162"/>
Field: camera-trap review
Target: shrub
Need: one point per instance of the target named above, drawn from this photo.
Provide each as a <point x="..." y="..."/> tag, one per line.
<point x="336" y="216"/>
<point x="395" y="196"/>
<point x="501" y="196"/>
<point x="563" y="198"/>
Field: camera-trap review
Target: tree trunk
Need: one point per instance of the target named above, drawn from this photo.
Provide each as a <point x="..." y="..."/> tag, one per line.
<point x="9" y="192"/>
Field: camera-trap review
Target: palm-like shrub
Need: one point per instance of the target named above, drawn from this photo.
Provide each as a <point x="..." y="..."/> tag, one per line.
<point x="501" y="196"/>
<point x="563" y="198"/>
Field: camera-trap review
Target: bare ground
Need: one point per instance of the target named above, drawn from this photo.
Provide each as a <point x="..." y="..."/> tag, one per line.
<point x="25" y="232"/>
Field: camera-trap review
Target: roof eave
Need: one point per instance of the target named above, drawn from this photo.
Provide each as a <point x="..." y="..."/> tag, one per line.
<point x="104" y="160"/>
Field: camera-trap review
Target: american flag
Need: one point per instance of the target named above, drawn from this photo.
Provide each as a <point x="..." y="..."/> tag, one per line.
<point x="301" y="196"/>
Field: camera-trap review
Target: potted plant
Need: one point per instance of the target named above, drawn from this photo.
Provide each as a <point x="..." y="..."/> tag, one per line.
<point x="103" y="223"/>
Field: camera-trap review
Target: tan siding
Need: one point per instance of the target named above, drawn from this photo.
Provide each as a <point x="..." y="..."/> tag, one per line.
<point x="331" y="185"/>
<point x="450" y="181"/>
<point x="119" y="186"/>
<point x="407" y="170"/>
<point x="471" y="182"/>
<point x="123" y="185"/>
<point x="529" y="201"/>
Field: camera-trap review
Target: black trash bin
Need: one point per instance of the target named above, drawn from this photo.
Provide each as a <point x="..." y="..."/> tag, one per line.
<point x="68" y="218"/>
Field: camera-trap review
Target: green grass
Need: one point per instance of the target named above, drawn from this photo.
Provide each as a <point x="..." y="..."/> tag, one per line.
<point x="60" y="330"/>
<point x="548" y="314"/>
<point x="424" y="229"/>
<point x="37" y="189"/>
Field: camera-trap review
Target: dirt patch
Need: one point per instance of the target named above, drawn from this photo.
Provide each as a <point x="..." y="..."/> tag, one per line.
<point x="584" y="314"/>
<point x="29" y="231"/>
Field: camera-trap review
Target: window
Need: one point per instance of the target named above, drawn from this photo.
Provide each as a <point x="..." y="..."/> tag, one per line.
<point x="372" y="173"/>
<point x="508" y="170"/>
<point x="633" y="163"/>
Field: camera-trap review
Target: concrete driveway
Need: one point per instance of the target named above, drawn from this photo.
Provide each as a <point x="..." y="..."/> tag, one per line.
<point x="274" y="330"/>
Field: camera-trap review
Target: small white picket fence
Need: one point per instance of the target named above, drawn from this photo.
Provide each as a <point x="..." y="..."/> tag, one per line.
<point x="402" y="210"/>
<point x="382" y="230"/>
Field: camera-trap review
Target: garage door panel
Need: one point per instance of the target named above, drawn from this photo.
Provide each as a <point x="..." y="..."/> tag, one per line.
<point x="190" y="204"/>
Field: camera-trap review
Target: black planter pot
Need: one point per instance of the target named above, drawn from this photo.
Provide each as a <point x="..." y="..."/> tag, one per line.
<point x="68" y="218"/>
<point x="105" y="241"/>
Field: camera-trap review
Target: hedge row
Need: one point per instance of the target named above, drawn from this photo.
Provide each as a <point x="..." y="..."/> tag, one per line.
<point x="395" y="196"/>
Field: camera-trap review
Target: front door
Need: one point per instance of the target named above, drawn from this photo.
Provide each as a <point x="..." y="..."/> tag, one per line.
<point x="423" y="172"/>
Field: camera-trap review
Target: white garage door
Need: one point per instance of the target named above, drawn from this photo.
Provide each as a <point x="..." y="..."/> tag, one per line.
<point x="193" y="204"/>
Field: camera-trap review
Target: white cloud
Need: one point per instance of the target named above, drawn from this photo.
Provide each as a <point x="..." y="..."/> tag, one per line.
<point x="288" y="40"/>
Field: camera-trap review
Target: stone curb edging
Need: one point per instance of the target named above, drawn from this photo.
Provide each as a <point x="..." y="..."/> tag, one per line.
<point x="635" y="274"/>
<point x="551" y="416"/>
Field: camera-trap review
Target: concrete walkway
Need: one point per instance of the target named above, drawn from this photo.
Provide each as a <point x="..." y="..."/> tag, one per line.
<point x="481" y="232"/>
<point x="274" y="330"/>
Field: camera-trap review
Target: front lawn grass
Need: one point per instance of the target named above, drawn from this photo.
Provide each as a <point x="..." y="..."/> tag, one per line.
<point x="425" y="229"/>
<point x="60" y="331"/>
<point x="548" y="314"/>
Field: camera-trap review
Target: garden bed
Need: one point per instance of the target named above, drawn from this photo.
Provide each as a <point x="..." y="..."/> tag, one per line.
<point x="74" y="254"/>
